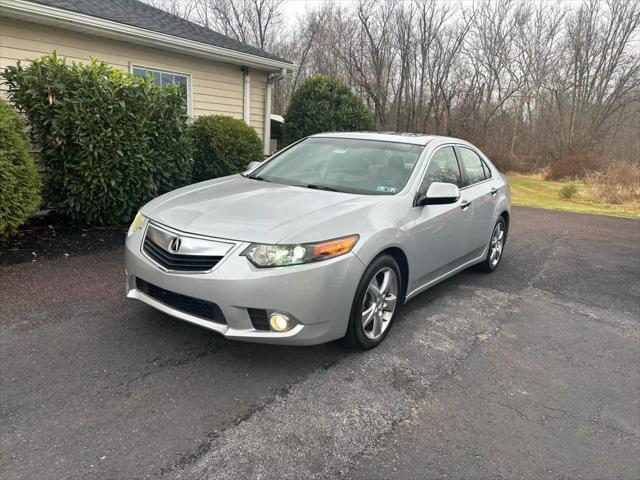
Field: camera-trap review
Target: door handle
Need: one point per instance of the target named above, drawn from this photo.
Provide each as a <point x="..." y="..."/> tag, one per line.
<point x="465" y="204"/>
<point x="494" y="190"/>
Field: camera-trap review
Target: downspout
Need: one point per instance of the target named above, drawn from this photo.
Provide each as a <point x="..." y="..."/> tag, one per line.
<point x="246" y="111"/>
<point x="271" y="80"/>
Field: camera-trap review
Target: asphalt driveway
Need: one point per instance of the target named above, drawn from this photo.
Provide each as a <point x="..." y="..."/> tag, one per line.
<point x="531" y="372"/>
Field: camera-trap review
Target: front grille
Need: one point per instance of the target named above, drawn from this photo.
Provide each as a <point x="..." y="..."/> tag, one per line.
<point x="176" y="262"/>
<point x="184" y="303"/>
<point x="259" y="318"/>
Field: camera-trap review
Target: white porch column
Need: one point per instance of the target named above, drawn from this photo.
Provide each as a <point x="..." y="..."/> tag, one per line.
<point x="267" y="119"/>
<point x="246" y="111"/>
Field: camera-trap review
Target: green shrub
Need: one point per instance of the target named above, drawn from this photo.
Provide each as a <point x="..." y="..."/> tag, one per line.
<point x="19" y="182"/>
<point x="568" y="190"/>
<point x="109" y="141"/>
<point x="223" y="146"/>
<point x="325" y="104"/>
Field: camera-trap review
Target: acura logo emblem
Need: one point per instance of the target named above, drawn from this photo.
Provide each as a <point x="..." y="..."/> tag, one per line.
<point x="174" y="244"/>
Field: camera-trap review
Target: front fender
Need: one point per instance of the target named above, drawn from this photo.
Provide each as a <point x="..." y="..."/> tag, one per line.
<point x="383" y="240"/>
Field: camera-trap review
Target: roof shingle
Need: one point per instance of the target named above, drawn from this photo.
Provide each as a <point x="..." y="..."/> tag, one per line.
<point x="137" y="14"/>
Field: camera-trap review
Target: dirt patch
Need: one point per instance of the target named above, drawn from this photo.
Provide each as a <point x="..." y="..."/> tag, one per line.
<point x="43" y="239"/>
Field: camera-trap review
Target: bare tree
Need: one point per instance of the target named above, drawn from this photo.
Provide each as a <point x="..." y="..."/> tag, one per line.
<point x="256" y="22"/>
<point x="601" y="70"/>
<point x="404" y="39"/>
<point x="371" y="54"/>
<point x="538" y="54"/>
<point x="180" y="8"/>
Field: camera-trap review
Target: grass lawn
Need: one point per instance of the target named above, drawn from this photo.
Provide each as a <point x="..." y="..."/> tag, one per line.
<point x="535" y="191"/>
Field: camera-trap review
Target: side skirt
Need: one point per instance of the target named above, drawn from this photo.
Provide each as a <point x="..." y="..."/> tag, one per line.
<point x="446" y="275"/>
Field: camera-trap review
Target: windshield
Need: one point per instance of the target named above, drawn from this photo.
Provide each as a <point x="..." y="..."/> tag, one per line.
<point x="369" y="167"/>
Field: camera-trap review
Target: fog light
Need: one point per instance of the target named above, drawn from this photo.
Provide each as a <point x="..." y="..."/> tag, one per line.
<point x="280" y="322"/>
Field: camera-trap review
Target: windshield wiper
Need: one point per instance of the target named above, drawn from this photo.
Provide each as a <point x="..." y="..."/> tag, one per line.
<point x="255" y="177"/>
<point x="317" y="186"/>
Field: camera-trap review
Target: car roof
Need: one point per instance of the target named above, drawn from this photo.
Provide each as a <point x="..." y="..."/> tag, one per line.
<point x="399" y="137"/>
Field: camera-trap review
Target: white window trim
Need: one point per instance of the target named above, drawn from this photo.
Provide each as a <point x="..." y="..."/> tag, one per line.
<point x="174" y="72"/>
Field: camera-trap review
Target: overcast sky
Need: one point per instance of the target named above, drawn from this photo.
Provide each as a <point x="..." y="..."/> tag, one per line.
<point x="293" y="8"/>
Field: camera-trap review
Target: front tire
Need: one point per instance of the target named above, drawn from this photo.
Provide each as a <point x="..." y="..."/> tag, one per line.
<point x="374" y="304"/>
<point x="496" y="247"/>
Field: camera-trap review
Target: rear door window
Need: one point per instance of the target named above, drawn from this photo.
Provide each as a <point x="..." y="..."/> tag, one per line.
<point x="473" y="166"/>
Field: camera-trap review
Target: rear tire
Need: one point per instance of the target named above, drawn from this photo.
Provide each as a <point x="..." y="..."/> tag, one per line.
<point x="375" y="304"/>
<point x="496" y="247"/>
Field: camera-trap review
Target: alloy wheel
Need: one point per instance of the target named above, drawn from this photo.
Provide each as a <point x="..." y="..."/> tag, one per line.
<point x="379" y="303"/>
<point x="497" y="243"/>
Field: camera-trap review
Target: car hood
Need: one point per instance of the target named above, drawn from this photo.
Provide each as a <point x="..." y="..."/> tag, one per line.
<point x="249" y="210"/>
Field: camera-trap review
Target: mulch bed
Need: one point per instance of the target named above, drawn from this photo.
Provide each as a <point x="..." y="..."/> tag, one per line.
<point x="46" y="238"/>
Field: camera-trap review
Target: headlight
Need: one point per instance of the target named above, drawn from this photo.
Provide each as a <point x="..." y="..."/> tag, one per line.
<point x="281" y="255"/>
<point x="137" y="224"/>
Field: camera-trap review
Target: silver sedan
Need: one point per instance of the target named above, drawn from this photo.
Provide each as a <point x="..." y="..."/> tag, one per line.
<point x="323" y="240"/>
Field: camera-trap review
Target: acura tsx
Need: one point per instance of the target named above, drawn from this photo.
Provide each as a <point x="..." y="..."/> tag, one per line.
<point x="323" y="240"/>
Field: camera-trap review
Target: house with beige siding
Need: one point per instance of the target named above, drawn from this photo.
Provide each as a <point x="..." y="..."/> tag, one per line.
<point x="220" y="75"/>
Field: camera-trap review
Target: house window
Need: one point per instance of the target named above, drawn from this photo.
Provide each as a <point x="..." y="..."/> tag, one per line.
<point x="164" y="77"/>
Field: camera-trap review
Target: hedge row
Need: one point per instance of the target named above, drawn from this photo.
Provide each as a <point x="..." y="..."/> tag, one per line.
<point x="109" y="142"/>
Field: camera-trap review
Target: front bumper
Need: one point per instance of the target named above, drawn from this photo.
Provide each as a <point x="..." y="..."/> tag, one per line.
<point x="318" y="295"/>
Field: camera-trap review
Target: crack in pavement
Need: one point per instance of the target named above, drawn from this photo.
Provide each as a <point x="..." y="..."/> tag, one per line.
<point x="628" y="324"/>
<point x="204" y="447"/>
<point x="555" y="250"/>
<point x="156" y="365"/>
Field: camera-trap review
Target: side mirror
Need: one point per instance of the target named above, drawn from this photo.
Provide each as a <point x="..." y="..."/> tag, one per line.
<point x="439" y="194"/>
<point x="252" y="166"/>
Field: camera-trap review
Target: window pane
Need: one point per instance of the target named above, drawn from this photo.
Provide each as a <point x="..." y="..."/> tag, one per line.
<point x="443" y="167"/>
<point x="166" y="78"/>
<point x="141" y="72"/>
<point x="181" y="81"/>
<point x="472" y="165"/>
